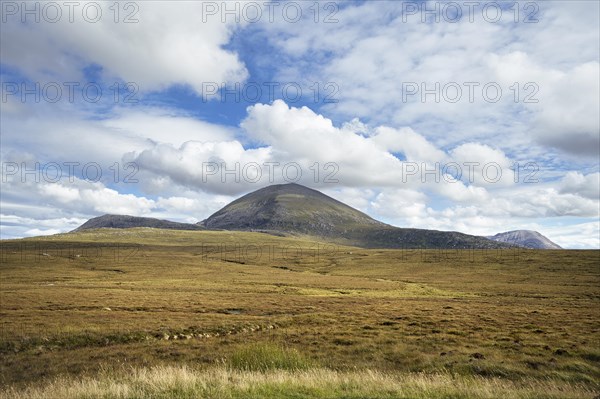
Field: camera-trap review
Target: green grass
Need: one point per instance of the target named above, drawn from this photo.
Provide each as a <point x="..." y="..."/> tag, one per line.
<point x="212" y="304"/>
<point x="267" y="357"/>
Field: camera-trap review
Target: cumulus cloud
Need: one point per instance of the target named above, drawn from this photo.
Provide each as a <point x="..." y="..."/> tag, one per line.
<point x="166" y="46"/>
<point x="324" y="154"/>
<point x="414" y="146"/>
<point x="577" y="235"/>
<point x="162" y="125"/>
<point x="389" y="154"/>
<point x="190" y="181"/>
<point x="72" y="135"/>
<point x="376" y="50"/>
<point x="14" y="226"/>
<point x="399" y="204"/>
<point x="63" y="206"/>
<point x="483" y="165"/>
<point x="565" y="102"/>
<point x="220" y="167"/>
<point x="80" y="196"/>
<point x="587" y="186"/>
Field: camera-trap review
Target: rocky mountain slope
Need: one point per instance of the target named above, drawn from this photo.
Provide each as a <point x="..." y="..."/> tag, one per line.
<point x="125" y="222"/>
<point x="292" y="209"/>
<point x="295" y="209"/>
<point x="525" y="238"/>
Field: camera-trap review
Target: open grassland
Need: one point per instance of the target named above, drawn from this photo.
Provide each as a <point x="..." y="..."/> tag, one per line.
<point x="164" y="313"/>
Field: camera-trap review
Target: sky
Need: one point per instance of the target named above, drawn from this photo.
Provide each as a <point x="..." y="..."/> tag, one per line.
<point x="479" y="117"/>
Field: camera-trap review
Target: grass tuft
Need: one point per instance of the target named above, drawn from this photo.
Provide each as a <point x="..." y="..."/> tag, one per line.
<point x="266" y="357"/>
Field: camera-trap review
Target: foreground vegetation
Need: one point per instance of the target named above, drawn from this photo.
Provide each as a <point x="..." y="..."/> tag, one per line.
<point x="144" y="312"/>
<point x="181" y="382"/>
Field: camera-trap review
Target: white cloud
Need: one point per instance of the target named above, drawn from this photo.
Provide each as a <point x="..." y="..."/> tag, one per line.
<point x="372" y="52"/>
<point x="30" y="208"/>
<point x="483" y="165"/>
<point x="38" y="232"/>
<point x="166" y="126"/>
<point x="369" y="53"/>
<point x="170" y="45"/>
<point x="89" y="197"/>
<point x="398" y="204"/>
<point x="72" y="135"/>
<point x="576" y="235"/>
<point x="566" y="101"/>
<point x="13" y="226"/>
<point x="577" y="183"/>
<point x="370" y="177"/>
<point x="414" y="146"/>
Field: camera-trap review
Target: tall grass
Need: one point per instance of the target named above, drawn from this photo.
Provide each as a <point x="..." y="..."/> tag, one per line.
<point x="266" y="357"/>
<point x="221" y="382"/>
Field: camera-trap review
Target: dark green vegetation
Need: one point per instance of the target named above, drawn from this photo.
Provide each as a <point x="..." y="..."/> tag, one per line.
<point x="298" y="211"/>
<point x="297" y="315"/>
<point x="295" y="209"/>
<point x="126" y="222"/>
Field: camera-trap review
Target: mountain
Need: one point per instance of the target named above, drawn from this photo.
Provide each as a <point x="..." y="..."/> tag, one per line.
<point x="295" y="209"/>
<point x="525" y="238"/>
<point x="289" y="208"/>
<point x="125" y="222"/>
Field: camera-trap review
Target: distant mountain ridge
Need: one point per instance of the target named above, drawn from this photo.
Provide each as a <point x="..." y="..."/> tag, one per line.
<point x="126" y="222"/>
<point x="525" y="238"/>
<point x="293" y="209"/>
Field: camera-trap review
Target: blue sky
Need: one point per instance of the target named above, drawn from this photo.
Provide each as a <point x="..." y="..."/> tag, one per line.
<point x="395" y="96"/>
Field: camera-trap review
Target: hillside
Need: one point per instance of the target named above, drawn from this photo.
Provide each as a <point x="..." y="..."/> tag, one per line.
<point x="289" y="208"/>
<point x="295" y="209"/>
<point x="525" y="238"/>
<point x="126" y="222"/>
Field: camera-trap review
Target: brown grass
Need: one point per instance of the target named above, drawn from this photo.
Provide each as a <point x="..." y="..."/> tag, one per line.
<point x="518" y="316"/>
